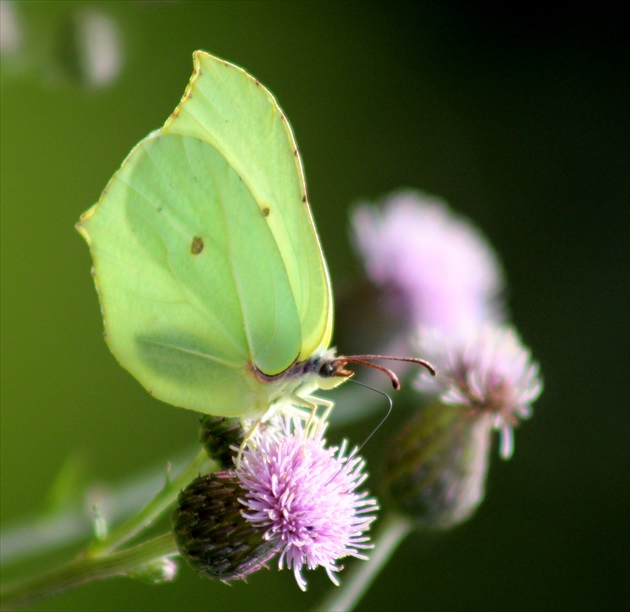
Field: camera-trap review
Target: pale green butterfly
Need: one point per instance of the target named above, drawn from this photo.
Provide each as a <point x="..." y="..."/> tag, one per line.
<point x="213" y="286"/>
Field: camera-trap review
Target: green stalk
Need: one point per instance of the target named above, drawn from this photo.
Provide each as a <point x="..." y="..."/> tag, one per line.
<point x="355" y="585"/>
<point x="152" y="511"/>
<point x="85" y="569"/>
<point x="103" y="559"/>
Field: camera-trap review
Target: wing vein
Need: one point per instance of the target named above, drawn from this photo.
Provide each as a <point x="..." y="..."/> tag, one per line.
<point x="192" y="352"/>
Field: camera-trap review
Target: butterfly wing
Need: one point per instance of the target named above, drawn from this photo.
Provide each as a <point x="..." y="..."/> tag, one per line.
<point x="228" y="108"/>
<point x="205" y="254"/>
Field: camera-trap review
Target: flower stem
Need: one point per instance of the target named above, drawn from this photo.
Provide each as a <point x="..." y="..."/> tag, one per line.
<point x="86" y="568"/>
<point x="103" y="558"/>
<point x="392" y="532"/>
<point x="151" y="511"/>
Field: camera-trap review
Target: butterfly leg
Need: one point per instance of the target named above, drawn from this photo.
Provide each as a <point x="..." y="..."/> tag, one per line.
<point x="252" y="429"/>
<point x="313" y="403"/>
<point x="294" y="407"/>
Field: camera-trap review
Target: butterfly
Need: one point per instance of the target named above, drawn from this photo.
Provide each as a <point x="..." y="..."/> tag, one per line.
<point x="212" y="282"/>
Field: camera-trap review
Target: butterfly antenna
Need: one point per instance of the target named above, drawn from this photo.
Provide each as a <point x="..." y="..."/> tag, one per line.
<point x="357" y="450"/>
<point x="357" y="359"/>
<point x="365" y="361"/>
<point x="380" y="423"/>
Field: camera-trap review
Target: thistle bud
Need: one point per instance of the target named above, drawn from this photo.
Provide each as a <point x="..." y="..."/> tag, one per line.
<point x="219" y="435"/>
<point x="212" y="534"/>
<point x="436" y="467"/>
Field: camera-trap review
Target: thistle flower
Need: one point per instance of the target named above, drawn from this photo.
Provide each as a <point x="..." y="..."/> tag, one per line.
<point x="288" y="495"/>
<point x="438" y="267"/>
<point x="211" y="533"/>
<point x="489" y="371"/>
<point x="302" y="496"/>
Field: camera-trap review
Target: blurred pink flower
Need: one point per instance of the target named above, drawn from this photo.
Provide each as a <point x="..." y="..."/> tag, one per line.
<point x="490" y="371"/>
<point x="440" y="268"/>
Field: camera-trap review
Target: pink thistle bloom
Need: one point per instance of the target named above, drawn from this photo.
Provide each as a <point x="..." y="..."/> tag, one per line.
<point x="440" y="266"/>
<point x="303" y="496"/>
<point x="488" y="370"/>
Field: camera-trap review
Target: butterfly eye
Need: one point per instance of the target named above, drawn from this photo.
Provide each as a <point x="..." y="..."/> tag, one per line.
<point x="327" y="369"/>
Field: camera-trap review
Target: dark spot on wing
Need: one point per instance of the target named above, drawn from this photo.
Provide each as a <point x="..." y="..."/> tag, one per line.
<point x="304" y="198"/>
<point x="265" y="210"/>
<point x="197" y="245"/>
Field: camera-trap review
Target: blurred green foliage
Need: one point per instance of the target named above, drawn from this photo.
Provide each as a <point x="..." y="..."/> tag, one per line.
<point x="519" y="121"/>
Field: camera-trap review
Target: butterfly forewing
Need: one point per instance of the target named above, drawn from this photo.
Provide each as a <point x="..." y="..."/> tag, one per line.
<point x="225" y="106"/>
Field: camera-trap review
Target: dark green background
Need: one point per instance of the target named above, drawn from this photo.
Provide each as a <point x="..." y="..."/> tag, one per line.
<point x="519" y="120"/>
